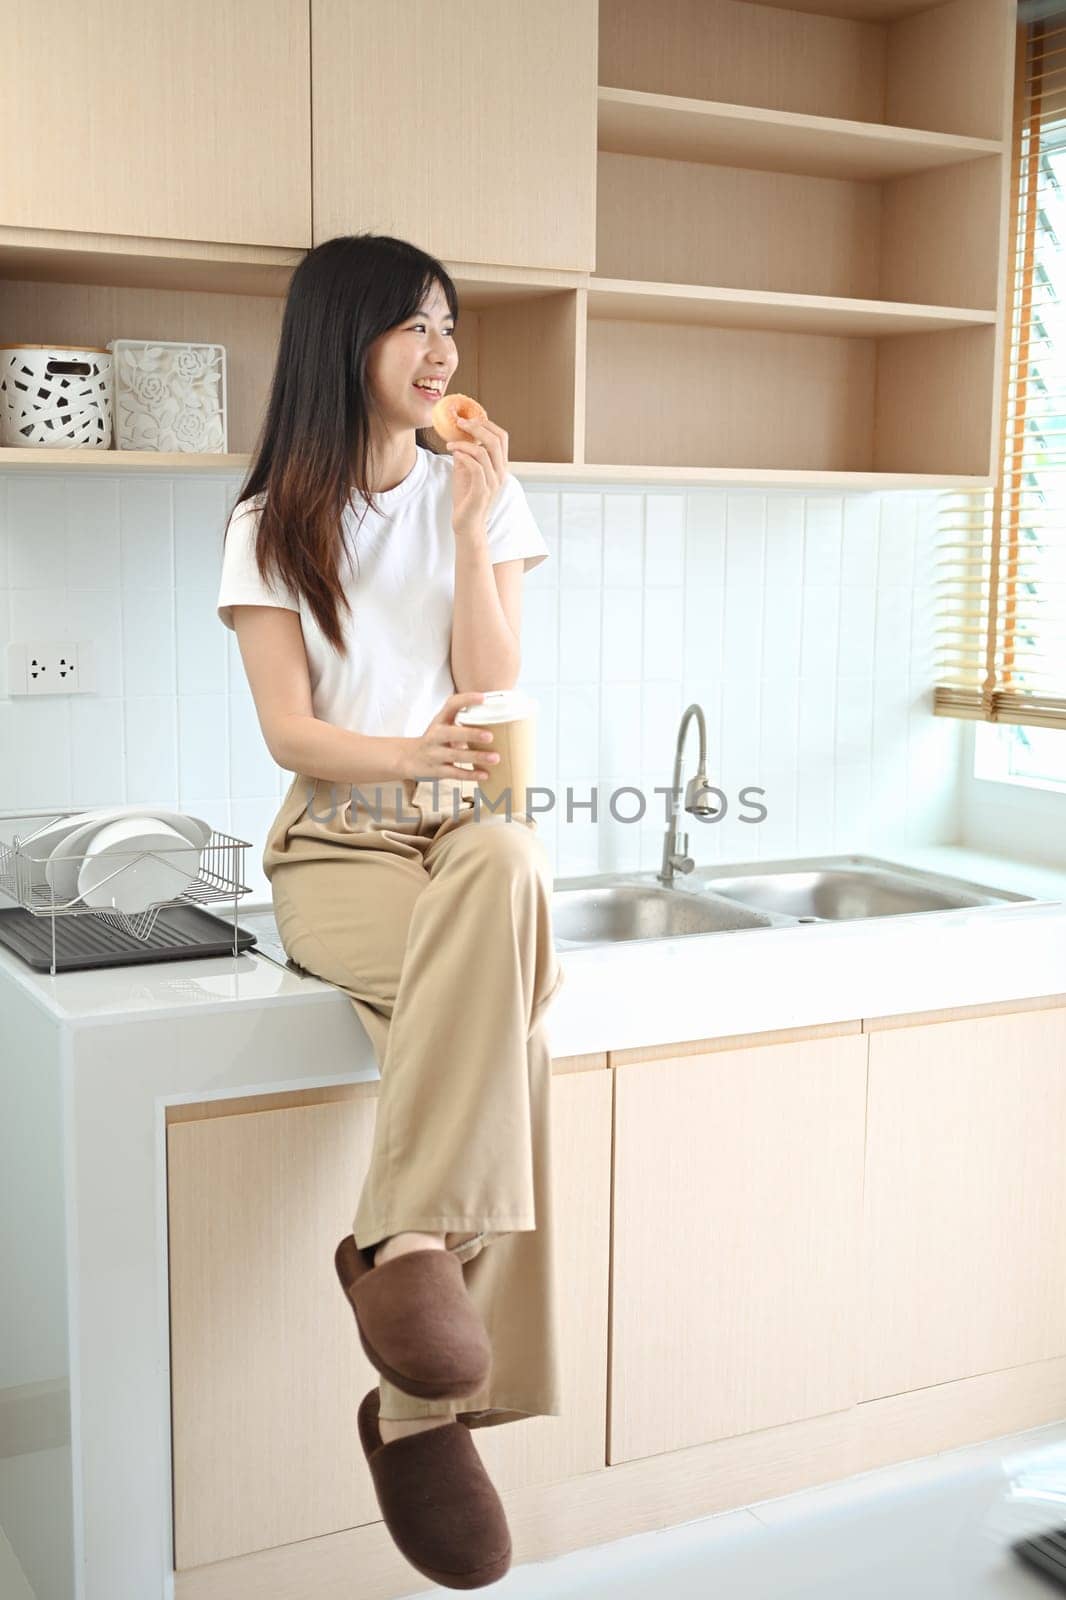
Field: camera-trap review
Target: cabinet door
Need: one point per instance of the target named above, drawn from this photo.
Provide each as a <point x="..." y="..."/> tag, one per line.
<point x="266" y="1367"/>
<point x="736" y="1241"/>
<point x="469" y="130"/>
<point x="187" y="121"/>
<point x="965" y="1199"/>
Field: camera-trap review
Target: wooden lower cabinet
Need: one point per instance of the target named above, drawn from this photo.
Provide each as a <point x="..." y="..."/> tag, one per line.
<point x="266" y="1366"/>
<point x="786" y="1259"/>
<point x="965" y="1213"/>
<point x="835" y="1224"/>
<point x="736" y="1242"/>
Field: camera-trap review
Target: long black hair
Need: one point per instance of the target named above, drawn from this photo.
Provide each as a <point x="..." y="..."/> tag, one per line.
<point x="313" y="447"/>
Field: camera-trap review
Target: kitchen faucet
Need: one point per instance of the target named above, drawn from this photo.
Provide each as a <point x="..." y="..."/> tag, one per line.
<point x="701" y="800"/>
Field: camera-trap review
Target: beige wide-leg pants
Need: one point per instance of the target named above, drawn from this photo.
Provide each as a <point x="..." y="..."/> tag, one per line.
<point x="434" y="917"/>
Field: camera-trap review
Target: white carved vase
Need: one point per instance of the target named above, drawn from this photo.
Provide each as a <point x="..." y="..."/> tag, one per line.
<point x="169" y="396"/>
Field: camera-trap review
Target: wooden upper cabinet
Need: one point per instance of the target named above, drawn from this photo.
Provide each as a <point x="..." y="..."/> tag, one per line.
<point x="469" y="130"/>
<point x="188" y="121"/>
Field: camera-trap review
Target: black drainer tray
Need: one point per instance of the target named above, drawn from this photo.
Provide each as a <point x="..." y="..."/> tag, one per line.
<point x="1046" y="1552"/>
<point x="181" y="933"/>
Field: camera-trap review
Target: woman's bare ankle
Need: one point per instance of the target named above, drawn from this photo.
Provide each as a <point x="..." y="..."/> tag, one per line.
<point x="398" y="1244"/>
<point x="396" y="1429"/>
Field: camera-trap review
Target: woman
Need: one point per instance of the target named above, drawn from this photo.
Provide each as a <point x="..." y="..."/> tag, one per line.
<point x="375" y="590"/>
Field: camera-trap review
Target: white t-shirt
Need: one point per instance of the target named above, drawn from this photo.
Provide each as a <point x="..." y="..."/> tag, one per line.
<point x="394" y="673"/>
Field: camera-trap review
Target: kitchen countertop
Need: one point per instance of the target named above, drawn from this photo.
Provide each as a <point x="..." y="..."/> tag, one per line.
<point x="628" y="994"/>
<point x="93" y="1063"/>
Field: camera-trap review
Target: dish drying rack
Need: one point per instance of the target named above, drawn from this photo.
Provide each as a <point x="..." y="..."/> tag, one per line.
<point x="22" y="878"/>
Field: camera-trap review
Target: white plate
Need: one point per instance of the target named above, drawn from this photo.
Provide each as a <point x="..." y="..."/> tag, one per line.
<point x="131" y="864"/>
<point x="49" y="837"/>
<point x="61" y="869"/>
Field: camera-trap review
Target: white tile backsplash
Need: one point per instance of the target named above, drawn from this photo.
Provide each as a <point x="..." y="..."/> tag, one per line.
<point x="149" y="645"/>
<point x="663" y="633"/>
<point x="581" y="542"/>
<point x="579" y="725"/>
<point x="619" y="726"/>
<point x="37" y="533"/>
<point x="151" y="750"/>
<point x="661" y="705"/>
<point x="540" y="631"/>
<point x="801" y="623"/>
<point x="146" y="532"/>
<point x="4" y="536"/>
<point x="823" y="540"/>
<point x="97" y="749"/>
<point x="778" y="725"/>
<point x="854" y="719"/>
<point x="199" y="522"/>
<point x="622" y="643"/>
<point x="5" y="636"/>
<point x="623" y="553"/>
<point x="862" y="524"/>
<point x="704" y="629"/>
<point x="820" y="632"/>
<point x="857" y="619"/>
<point x="94" y="546"/>
<point x="664" y="543"/>
<point x="745" y="542"/>
<point x="579" y="635"/>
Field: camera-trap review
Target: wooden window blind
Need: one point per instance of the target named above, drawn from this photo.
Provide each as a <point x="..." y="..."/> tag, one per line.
<point x="1001" y="552"/>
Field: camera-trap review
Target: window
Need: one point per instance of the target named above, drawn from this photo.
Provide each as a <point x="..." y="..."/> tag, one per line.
<point x="1002" y="552"/>
<point x="1014" y="753"/>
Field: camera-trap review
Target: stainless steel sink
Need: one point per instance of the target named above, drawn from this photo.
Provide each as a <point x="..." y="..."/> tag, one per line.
<point x="617" y="907"/>
<point x="608" y="913"/>
<point x="835" y="889"/>
<point x="612" y="907"/>
<point x="681" y="898"/>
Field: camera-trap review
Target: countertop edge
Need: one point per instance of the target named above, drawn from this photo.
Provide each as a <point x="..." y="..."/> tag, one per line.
<point x="985" y="942"/>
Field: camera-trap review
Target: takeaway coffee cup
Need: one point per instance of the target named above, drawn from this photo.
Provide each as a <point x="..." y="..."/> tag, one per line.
<point x="511" y="717"/>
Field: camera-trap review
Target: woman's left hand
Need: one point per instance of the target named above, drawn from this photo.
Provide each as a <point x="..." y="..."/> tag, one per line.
<point x="480" y="468"/>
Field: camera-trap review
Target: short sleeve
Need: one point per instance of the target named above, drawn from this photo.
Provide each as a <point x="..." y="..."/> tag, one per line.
<point x="512" y="529"/>
<point x="241" y="584"/>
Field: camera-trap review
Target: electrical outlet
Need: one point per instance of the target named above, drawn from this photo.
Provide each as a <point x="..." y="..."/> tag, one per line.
<point x="36" y="667"/>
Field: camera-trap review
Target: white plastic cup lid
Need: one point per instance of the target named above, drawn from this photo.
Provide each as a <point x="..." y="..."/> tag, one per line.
<point x="500" y="705"/>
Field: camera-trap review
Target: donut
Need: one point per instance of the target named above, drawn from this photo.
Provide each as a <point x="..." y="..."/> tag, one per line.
<point x="450" y="406"/>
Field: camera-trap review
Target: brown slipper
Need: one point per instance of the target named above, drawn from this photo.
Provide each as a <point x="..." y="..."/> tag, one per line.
<point x="438" y="1502"/>
<point x="416" y="1322"/>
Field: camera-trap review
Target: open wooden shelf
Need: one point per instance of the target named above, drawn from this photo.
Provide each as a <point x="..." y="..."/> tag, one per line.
<point x="49" y="255"/>
<point x="765" y="478"/>
<point x="855" y="10"/>
<point x="565" y="472"/>
<point x="620" y="300"/>
<point x="929" y="239"/>
<point x="800" y="256"/>
<point x="517" y="338"/>
<point x="799" y="277"/>
<point x="907" y="64"/>
<point x="670" y="394"/>
<point x="669" y="126"/>
<point x="44" y="460"/>
<point x="785" y="383"/>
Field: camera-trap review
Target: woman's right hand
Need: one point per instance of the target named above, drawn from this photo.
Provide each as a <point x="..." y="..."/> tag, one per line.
<point x="434" y="754"/>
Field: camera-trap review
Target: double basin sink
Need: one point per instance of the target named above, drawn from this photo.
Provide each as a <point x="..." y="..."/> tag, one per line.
<point x="616" y="906"/>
